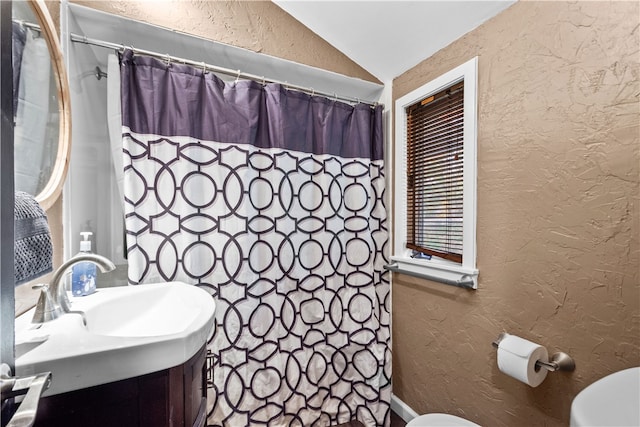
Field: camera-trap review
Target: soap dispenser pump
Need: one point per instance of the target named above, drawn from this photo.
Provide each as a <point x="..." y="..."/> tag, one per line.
<point x="83" y="274"/>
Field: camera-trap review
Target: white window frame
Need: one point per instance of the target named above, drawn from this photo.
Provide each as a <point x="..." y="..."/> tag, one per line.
<point x="438" y="269"/>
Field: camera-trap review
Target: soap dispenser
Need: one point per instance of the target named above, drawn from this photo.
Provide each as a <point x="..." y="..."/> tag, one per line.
<point x="83" y="274"/>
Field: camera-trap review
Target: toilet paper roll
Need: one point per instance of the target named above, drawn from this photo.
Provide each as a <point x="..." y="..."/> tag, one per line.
<point x="517" y="358"/>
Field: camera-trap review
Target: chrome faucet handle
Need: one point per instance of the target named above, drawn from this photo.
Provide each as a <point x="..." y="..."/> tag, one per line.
<point x="47" y="308"/>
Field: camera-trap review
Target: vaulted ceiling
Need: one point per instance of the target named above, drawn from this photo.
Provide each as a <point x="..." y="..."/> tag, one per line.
<point x="389" y="37"/>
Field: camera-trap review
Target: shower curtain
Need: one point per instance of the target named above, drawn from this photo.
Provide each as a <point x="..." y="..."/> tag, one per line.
<point x="273" y="201"/>
<point x="32" y="114"/>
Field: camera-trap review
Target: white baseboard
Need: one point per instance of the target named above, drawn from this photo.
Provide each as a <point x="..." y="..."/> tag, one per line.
<point x="402" y="409"/>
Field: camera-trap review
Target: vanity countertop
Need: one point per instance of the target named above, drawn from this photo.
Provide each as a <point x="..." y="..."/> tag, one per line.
<point x="116" y="333"/>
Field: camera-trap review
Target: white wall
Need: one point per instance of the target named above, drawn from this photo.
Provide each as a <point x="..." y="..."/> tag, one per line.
<point x="91" y="196"/>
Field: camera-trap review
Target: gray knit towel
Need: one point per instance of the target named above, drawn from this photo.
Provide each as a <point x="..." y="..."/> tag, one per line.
<point x="33" y="252"/>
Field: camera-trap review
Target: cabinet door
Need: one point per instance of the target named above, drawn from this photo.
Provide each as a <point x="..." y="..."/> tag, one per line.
<point x="157" y="402"/>
<point x="195" y="390"/>
<point x="174" y="397"/>
<point x="109" y="405"/>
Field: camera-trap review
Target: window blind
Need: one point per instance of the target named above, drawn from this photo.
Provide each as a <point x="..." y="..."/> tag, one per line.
<point x="435" y="174"/>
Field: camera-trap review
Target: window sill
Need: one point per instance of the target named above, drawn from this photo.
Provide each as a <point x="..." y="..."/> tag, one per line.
<point x="443" y="271"/>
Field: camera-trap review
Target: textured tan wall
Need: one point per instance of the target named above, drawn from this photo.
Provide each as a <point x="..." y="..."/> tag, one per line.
<point x="260" y="26"/>
<point x="558" y="215"/>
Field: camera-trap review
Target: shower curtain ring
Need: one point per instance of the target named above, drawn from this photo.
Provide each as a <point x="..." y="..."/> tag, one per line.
<point x="264" y="81"/>
<point x="313" y="91"/>
<point x="204" y="68"/>
<point x="238" y="77"/>
<point x="168" y="60"/>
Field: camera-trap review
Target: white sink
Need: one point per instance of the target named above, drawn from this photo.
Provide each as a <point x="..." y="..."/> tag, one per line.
<point x="130" y="331"/>
<point x="611" y="401"/>
<point x="144" y="311"/>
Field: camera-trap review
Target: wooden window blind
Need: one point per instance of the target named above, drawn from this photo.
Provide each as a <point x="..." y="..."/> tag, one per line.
<point x="435" y="174"/>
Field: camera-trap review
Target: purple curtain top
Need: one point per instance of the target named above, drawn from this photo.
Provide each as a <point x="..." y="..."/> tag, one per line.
<point x="181" y="100"/>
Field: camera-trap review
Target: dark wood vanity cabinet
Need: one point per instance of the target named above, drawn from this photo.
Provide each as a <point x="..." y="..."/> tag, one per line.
<point x="173" y="397"/>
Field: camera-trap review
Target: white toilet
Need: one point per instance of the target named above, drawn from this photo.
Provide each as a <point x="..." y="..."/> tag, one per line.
<point x="440" y="420"/>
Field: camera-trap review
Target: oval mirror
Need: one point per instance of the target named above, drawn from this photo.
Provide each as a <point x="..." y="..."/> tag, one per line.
<point x="42" y="108"/>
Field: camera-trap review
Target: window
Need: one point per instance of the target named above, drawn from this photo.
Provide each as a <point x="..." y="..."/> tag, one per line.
<point x="434" y="146"/>
<point x="435" y="178"/>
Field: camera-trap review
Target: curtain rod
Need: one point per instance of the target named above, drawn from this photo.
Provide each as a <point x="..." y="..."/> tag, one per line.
<point x="27" y="24"/>
<point x="227" y="71"/>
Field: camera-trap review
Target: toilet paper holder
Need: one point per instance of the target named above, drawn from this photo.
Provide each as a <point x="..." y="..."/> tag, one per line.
<point x="559" y="361"/>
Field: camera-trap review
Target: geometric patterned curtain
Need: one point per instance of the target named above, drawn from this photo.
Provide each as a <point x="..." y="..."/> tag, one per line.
<point x="273" y="201"/>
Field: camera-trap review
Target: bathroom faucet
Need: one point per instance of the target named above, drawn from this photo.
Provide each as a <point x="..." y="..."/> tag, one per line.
<point x="53" y="301"/>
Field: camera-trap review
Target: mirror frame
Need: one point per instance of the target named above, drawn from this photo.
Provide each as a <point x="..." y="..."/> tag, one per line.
<point x="51" y="191"/>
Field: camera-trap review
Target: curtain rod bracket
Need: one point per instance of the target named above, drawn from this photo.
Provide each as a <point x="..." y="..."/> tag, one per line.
<point x="99" y="73"/>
